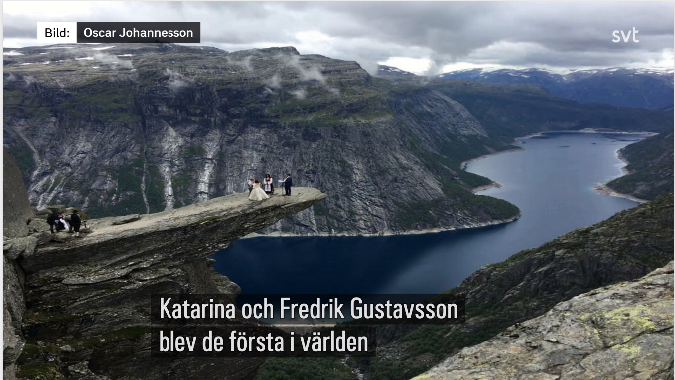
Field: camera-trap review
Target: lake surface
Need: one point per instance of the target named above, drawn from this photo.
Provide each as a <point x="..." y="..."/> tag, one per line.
<point x="550" y="181"/>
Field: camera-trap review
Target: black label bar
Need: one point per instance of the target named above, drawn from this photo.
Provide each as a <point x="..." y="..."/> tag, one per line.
<point x="138" y="32"/>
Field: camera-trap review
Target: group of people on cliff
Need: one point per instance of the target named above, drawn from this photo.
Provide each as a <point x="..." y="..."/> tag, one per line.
<point x="57" y="222"/>
<point x="257" y="191"/>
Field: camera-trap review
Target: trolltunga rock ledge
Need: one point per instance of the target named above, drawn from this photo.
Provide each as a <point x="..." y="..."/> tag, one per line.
<point x="88" y="299"/>
<point x="120" y="245"/>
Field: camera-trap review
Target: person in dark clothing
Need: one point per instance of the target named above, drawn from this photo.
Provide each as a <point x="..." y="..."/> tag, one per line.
<point x="288" y="182"/>
<point x="51" y="220"/>
<point x="75" y="222"/>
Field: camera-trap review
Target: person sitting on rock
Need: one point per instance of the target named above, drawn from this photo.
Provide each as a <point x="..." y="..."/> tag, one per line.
<point x="75" y="222"/>
<point x="61" y="223"/>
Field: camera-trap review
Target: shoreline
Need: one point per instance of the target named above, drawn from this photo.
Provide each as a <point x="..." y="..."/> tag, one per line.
<point x="518" y="140"/>
<point x="587" y="130"/>
<point x="492" y="185"/>
<point x="598" y="188"/>
<point x="603" y="189"/>
<point x="254" y="235"/>
<point x="464" y="164"/>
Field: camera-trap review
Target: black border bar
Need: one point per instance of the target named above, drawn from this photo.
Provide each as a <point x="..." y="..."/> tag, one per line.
<point x="118" y="32"/>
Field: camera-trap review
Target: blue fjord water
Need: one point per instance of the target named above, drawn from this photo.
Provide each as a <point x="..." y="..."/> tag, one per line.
<point x="550" y="181"/>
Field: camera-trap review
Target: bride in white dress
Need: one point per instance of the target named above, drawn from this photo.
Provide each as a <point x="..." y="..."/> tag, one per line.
<point x="257" y="194"/>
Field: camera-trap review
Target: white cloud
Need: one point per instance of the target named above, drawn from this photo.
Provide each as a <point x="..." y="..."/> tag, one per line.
<point x="113" y="60"/>
<point x="414" y="65"/>
<point x="177" y="81"/>
<point x="555" y="34"/>
<point x="300" y="94"/>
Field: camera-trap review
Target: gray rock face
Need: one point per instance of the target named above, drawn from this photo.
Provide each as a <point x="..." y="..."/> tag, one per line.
<point x="18" y="246"/>
<point x="622" y="331"/>
<point x="14" y="306"/>
<point x="16" y="208"/>
<point x="182" y="125"/>
<point x="89" y="297"/>
<point x="16" y="213"/>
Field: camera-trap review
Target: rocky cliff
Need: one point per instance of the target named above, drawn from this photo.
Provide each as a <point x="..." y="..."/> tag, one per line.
<point x="81" y="305"/>
<point x="622" y="331"/>
<point x="15" y="218"/>
<point x="625" y="247"/>
<point x="144" y="128"/>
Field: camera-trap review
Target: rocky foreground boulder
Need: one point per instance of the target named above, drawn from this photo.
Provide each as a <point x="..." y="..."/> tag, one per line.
<point x="622" y="331"/>
<point x="86" y="313"/>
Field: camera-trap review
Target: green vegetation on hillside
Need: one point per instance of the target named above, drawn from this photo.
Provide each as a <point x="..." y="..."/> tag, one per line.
<point x="650" y="168"/>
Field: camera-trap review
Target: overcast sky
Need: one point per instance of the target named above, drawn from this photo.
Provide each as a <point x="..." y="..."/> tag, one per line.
<point x="422" y="37"/>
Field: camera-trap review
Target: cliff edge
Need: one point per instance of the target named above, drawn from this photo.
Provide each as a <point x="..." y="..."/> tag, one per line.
<point x="87" y="299"/>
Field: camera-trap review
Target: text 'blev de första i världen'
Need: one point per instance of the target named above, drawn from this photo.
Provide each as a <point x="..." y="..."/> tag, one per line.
<point x="298" y="325"/>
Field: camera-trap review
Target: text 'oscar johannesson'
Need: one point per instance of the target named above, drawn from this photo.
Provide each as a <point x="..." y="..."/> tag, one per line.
<point x="136" y="33"/>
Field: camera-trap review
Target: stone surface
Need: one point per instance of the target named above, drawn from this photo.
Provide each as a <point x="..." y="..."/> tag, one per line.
<point x="15" y="214"/>
<point x="89" y="297"/>
<point x="56" y="208"/>
<point x="16" y="208"/>
<point x="13" y="308"/>
<point x="18" y="246"/>
<point x="38" y="225"/>
<point x="124" y="219"/>
<point x="43" y="237"/>
<point x="622" y="331"/>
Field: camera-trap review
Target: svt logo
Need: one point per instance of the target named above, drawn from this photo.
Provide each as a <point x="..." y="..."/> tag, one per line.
<point x="625" y="36"/>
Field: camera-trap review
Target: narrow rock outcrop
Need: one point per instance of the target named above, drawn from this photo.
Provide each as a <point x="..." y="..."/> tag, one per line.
<point x="88" y="299"/>
<point x="622" y="331"/>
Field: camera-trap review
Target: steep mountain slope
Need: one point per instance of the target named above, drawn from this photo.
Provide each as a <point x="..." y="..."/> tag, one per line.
<point x="650" y="168"/>
<point x="624" y="247"/>
<point x="620" y="87"/>
<point x="143" y="128"/>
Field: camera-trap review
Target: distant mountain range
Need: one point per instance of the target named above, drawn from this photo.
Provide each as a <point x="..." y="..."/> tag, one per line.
<point x="141" y="128"/>
<point x="620" y="87"/>
<point x="637" y="88"/>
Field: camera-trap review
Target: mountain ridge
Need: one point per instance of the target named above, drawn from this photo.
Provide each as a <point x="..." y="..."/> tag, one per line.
<point x="621" y="87"/>
<point x="121" y="129"/>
